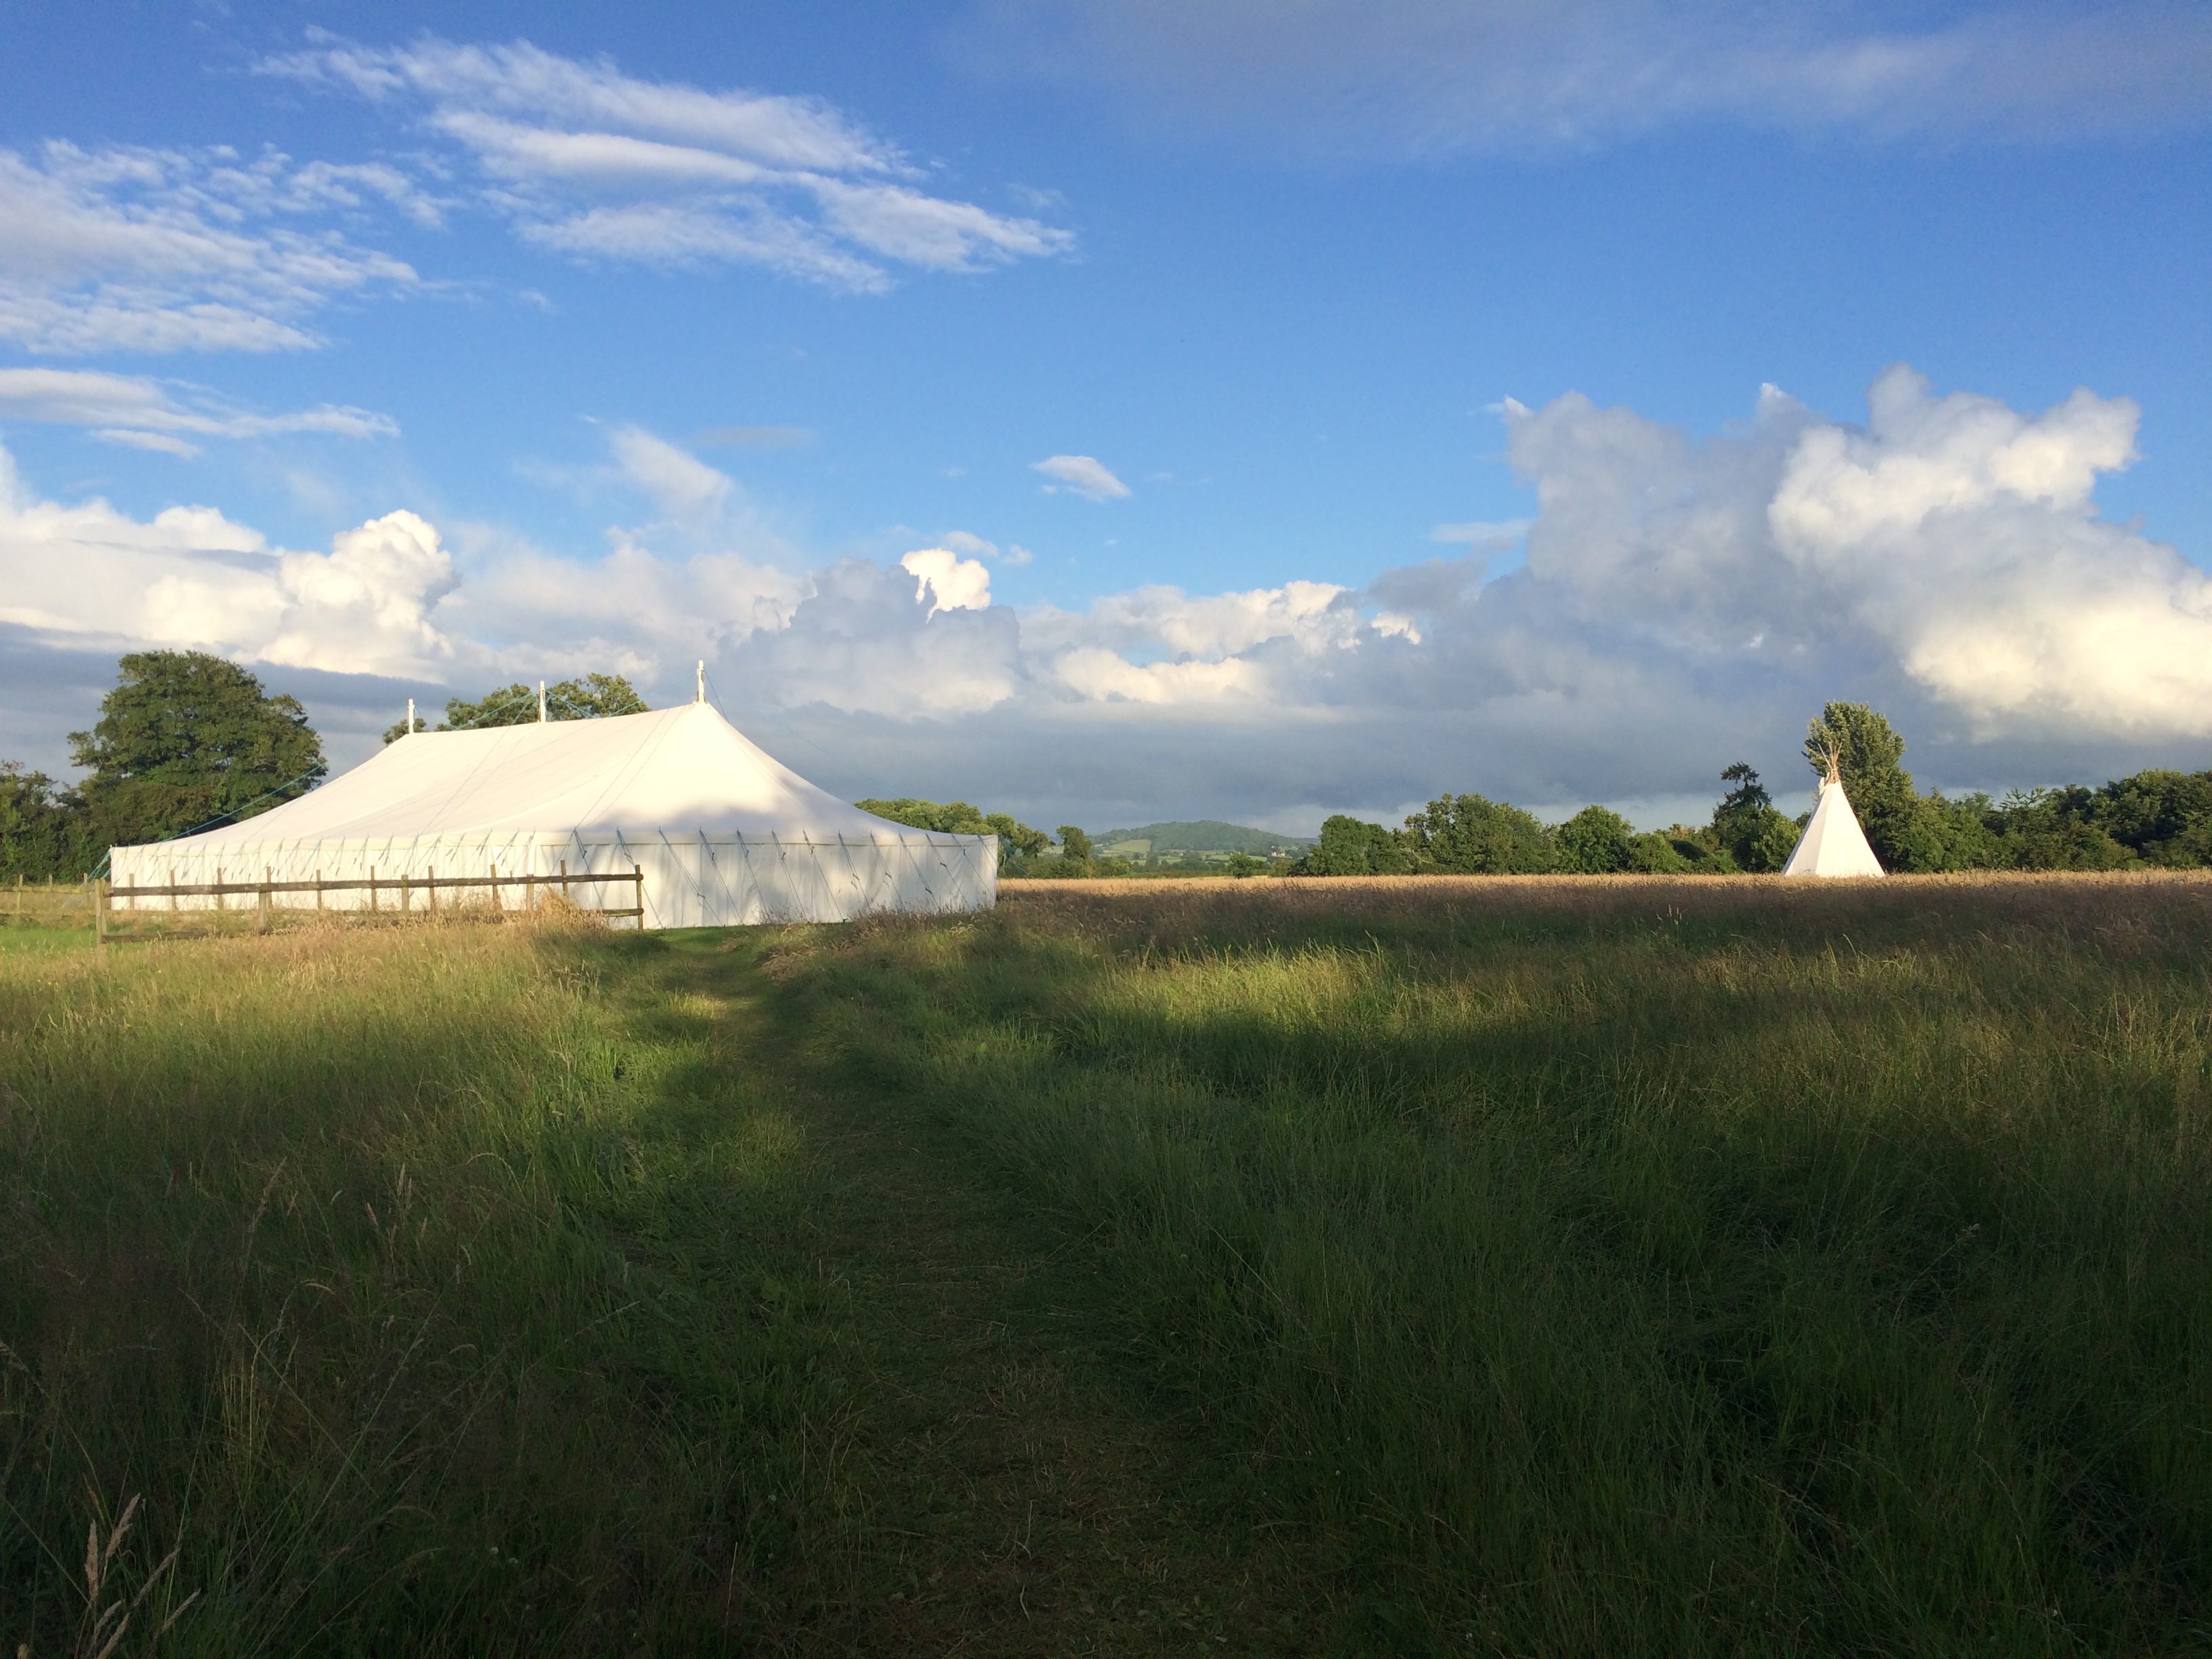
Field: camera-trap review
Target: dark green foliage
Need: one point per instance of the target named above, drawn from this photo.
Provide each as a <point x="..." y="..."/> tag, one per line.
<point x="1469" y="835"/>
<point x="187" y="740"/>
<point x="42" y="827"/>
<point x="1596" y="842"/>
<point x="595" y="696"/>
<point x="1243" y="864"/>
<point x="1019" y="846"/>
<point x="1348" y="846"/>
<point x="1746" y="826"/>
<point x="1871" y="756"/>
<point x="1652" y="853"/>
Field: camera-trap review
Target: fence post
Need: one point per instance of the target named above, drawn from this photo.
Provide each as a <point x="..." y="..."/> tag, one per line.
<point x="99" y="917"/>
<point x="219" y="903"/>
<point x="172" y="890"/>
<point x="319" y="889"/>
<point x="430" y="881"/>
<point x="407" y="891"/>
<point x="637" y="875"/>
<point x="372" y="890"/>
<point x="268" y="899"/>
<point x="564" y="880"/>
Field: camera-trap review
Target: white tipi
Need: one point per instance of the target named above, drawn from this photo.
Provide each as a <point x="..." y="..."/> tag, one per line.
<point x="1832" y="844"/>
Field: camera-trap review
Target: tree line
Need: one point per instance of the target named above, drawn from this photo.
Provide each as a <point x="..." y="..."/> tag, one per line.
<point x="187" y="741"/>
<point x="2157" y="818"/>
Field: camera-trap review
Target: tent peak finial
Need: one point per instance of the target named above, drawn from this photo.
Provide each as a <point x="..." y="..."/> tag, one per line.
<point x="541" y="703"/>
<point x="701" y="695"/>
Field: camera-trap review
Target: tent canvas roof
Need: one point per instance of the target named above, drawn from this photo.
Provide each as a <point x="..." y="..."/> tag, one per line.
<point x="1832" y="844"/>
<point x="683" y="768"/>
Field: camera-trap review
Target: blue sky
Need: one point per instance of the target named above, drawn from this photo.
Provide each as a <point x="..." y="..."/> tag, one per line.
<point x="1396" y="372"/>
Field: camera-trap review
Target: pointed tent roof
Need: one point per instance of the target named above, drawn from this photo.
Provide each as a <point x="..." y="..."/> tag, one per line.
<point x="1832" y="844"/>
<point x="684" y="768"/>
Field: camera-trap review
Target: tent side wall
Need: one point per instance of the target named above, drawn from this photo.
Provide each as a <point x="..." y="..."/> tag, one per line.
<point x="691" y="880"/>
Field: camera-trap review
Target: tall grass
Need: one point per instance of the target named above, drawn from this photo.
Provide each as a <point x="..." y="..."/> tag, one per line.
<point x="432" y="1289"/>
<point x="1582" y="1268"/>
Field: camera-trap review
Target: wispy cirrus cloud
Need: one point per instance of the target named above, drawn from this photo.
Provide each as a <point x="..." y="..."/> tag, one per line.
<point x="1414" y="80"/>
<point x="1085" y="474"/>
<point x="143" y="413"/>
<point x="589" y="160"/>
<point x="144" y="250"/>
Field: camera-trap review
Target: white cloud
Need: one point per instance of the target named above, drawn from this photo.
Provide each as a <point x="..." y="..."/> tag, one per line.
<point x="149" y="414"/>
<point x="168" y="250"/>
<point x="679" y="483"/>
<point x="192" y="578"/>
<point x="593" y="162"/>
<point x="1397" y="80"/>
<point x="1484" y="537"/>
<point x="947" y="580"/>
<point x="1684" y="602"/>
<point x="1084" y="475"/>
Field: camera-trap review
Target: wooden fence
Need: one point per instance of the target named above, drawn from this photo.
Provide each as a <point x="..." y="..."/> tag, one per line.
<point x="390" y="896"/>
<point x="45" y="904"/>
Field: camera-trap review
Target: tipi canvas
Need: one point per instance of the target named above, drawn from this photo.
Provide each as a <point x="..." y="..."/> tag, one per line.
<point x="1832" y="844"/>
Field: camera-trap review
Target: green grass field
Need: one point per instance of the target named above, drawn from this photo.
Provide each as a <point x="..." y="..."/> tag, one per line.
<point x="1508" y="1266"/>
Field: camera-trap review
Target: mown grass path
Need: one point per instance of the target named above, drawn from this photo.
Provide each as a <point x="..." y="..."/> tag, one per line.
<point x="1012" y="1496"/>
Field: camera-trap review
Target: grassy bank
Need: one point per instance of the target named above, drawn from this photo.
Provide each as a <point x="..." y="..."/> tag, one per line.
<point x="1512" y="1267"/>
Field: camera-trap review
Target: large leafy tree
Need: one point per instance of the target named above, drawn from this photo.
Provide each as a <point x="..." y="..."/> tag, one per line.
<point x="186" y="740"/>
<point x="595" y="696"/>
<point x="1596" y="842"/>
<point x="41" y="827"/>
<point x="1869" y="755"/>
<point x="1019" y="846"/>
<point x="1748" y="827"/>
<point x="1470" y="835"/>
<point x="1351" y="846"/>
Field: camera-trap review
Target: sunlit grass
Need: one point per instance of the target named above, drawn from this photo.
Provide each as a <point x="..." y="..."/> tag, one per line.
<point x="1648" y="1267"/>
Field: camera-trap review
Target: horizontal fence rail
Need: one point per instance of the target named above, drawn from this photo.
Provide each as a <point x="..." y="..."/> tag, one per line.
<point x="402" y="889"/>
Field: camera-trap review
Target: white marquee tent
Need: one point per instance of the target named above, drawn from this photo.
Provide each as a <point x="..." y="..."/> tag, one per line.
<point x="1832" y="844"/>
<point x="722" y="834"/>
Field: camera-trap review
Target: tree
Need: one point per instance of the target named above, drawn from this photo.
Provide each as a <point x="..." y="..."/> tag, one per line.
<point x="595" y="696"/>
<point x="1349" y="846"/>
<point x="1655" y="855"/>
<point x="1075" y="852"/>
<point x="1019" y="846"/>
<point x="41" y="827"/>
<point x="186" y="740"/>
<point x="1870" y="756"/>
<point x="1244" y="866"/>
<point x="1596" y="842"/>
<point x="2162" y="817"/>
<point x="1747" y="824"/>
<point x="1468" y="835"/>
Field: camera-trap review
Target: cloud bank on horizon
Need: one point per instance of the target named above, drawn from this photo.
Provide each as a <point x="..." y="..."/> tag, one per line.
<point x="1683" y="601"/>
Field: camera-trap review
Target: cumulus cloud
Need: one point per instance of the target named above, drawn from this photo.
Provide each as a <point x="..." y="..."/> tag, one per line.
<point x="87" y="575"/>
<point x="1396" y="80"/>
<point x="144" y="250"/>
<point x="147" y="414"/>
<point x="1084" y="474"/>
<point x="1685" y="602"/>
<point x="948" y="582"/>
<point x="593" y="162"/>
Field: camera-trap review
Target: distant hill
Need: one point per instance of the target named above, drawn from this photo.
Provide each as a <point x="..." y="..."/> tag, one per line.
<point x="1206" y="835"/>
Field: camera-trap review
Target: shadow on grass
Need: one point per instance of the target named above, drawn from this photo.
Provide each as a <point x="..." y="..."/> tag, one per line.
<point x="1691" y="1272"/>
